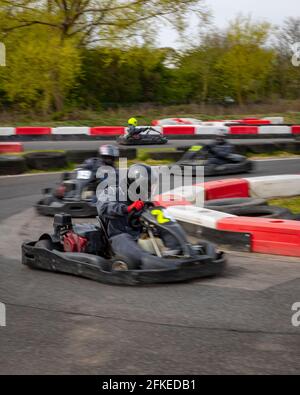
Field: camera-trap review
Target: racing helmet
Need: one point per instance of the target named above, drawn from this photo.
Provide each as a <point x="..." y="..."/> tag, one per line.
<point x="221" y="136"/>
<point x="132" y="122"/>
<point x="109" y="153"/>
<point x="141" y="182"/>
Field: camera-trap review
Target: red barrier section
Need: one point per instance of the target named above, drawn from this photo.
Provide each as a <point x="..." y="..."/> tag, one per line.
<point x="173" y="200"/>
<point x="10" y="147"/>
<point x="155" y="122"/>
<point x="222" y="189"/>
<point x="269" y="236"/>
<point x="255" y="121"/>
<point x="107" y="130"/>
<point x="243" y="130"/>
<point x="188" y="130"/>
<point x="33" y="130"/>
<point x="296" y="129"/>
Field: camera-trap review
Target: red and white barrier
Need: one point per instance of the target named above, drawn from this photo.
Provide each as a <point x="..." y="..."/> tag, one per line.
<point x="206" y="128"/>
<point x="269" y="236"/>
<point x="70" y="130"/>
<point x="7" y="148"/>
<point x="33" y="130"/>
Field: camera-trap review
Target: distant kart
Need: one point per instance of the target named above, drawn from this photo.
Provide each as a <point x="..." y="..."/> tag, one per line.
<point x="150" y="136"/>
<point x="194" y="159"/>
<point x="76" y="195"/>
<point x="85" y="251"/>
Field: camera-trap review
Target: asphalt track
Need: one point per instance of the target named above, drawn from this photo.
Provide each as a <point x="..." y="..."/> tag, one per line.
<point x="56" y="324"/>
<point x="94" y="144"/>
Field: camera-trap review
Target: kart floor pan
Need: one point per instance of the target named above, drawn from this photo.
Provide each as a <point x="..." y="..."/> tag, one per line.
<point x="40" y="258"/>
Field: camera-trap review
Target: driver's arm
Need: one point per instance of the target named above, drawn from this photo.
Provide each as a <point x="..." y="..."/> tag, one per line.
<point x="111" y="209"/>
<point x="108" y="205"/>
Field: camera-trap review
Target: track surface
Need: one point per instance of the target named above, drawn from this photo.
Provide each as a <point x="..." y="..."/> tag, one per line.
<point x="239" y="323"/>
<point x="94" y="144"/>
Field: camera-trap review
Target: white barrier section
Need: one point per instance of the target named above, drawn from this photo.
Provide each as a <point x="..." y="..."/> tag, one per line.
<point x="275" y="129"/>
<point x="2" y="314"/>
<point x="197" y="215"/>
<point x="7" y="131"/>
<point x="274" y="186"/>
<point x="71" y="130"/>
<point x="195" y="194"/>
<point x="275" y="120"/>
<point x="213" y="130"/>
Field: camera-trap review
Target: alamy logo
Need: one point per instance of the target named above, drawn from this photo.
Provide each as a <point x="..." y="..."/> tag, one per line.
<point x="2" y="314"/>
<point x="296" y="316"/>
<point x="2" y="55"/>
<point x="296" y="57"/>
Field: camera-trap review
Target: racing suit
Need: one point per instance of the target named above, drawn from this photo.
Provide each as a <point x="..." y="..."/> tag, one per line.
<point x="219" y="153"/>
<point x="122" y="236"/>
<point x="134" y="131"/>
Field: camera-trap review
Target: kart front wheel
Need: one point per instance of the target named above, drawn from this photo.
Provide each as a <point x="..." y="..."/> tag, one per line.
<point x="120" y="264"/>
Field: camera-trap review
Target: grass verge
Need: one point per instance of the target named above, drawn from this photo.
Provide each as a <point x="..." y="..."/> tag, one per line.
<point x="292" y="203"/>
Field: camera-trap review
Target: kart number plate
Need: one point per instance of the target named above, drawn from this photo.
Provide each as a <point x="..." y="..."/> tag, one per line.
<point x="162" y="216"/>
<point x="83" y="174"/>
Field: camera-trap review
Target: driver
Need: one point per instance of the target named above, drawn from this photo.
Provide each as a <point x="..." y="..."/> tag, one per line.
<point x="220" y="151"/>
<point x="107" y="156"/>
<point x="115" y="205"/>
<point x="133" y="130"/>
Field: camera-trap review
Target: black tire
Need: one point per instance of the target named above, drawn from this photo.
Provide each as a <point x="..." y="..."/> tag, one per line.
<point x="46" y="160"/>
<point x="227" y="205"/>
<point x="79" y="156"/>
<point x="10" y="165"/>
<point x="45" y="243"/>
<point x="263" y="211"/>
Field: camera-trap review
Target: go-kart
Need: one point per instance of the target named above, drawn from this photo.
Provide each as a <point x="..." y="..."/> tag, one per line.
<point x="147" y="137"/>
<point x="85" y="251"/>
<point x="196" y="156"/>
<point x="75" y="195"/>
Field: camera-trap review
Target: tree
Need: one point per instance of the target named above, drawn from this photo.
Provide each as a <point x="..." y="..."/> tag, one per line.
<point x="40" y="70"/>
<point x="286" y="76"/>
<point x="94" y="20"/>
<point x="247" y="62"/>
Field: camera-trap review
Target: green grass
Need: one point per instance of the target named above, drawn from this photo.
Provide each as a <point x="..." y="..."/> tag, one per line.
<point x="293" y="204"/>
<point x="145" y="114"/>
<point x="273" y="154"/>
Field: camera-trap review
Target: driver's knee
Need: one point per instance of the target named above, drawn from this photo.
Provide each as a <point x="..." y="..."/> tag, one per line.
<point x="125" y="245"/>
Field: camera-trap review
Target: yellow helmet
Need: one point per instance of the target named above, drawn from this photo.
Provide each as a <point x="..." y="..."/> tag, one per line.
<point x="132" y="121"/>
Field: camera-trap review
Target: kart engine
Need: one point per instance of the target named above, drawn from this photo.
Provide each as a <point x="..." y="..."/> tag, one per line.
<point x="74" y="243"/>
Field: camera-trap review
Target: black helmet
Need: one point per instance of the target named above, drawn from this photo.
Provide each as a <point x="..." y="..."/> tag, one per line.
<point x="141" y="182"/>
<point x="109" y="153"/>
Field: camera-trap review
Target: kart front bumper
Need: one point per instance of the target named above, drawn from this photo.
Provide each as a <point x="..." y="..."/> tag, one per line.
<point x="77" y="209"/>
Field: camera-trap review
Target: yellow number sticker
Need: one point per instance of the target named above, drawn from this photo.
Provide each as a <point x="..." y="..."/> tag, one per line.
<point x="196" y="148"/>
<point x="160" y="217"/>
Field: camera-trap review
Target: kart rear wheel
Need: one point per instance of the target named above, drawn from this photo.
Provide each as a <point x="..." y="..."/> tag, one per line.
<point x="45" y="243"/>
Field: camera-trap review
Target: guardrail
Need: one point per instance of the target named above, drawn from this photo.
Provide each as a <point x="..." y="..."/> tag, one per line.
<point x="261" y="235"/>
<point x="208" y="129"/>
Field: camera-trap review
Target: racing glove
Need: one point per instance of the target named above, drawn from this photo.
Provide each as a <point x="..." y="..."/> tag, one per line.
<point x="137" y="205"/>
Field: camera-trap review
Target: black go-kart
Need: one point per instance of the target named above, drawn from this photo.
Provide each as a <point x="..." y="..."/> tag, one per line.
<point x="149" y="136"/>
<point x="75" y="195"/>
<point x="85" y="251"/>
<point x="197" y="157"/>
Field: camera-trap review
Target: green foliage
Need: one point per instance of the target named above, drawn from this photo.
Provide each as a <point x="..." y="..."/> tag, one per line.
<point x="52" y="66"/>
<point x="40" y="69"/>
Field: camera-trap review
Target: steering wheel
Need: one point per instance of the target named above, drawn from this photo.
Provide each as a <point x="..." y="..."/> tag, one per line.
<point x="134" y="215"/>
